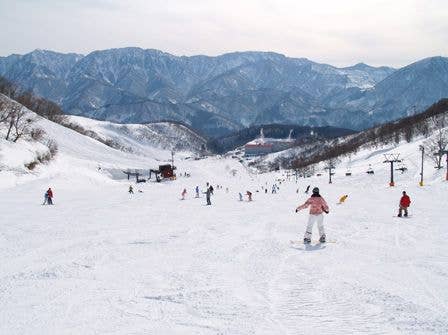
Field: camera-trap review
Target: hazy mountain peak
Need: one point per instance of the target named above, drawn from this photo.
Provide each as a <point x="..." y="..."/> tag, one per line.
<point x="430" y="61"/>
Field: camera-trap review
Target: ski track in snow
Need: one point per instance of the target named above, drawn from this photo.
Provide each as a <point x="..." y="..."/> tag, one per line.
<point x="102" y="261"/>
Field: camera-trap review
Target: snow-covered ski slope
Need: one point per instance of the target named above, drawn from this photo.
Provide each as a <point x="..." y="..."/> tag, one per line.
<point x="77" y="154"/>
<point x="102" y="261"/>
<point x="142" y="138"/>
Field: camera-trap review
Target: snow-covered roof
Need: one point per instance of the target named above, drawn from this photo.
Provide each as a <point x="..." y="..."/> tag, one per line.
<point x="265" y="141"/>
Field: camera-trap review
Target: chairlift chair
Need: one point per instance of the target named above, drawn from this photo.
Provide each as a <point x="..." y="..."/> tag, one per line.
<point x="402" y="167"/>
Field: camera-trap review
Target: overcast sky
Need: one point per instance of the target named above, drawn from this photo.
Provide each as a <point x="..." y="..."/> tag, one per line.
<point x="338" y="32"/>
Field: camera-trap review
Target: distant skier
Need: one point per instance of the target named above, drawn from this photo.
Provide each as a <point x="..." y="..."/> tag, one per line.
<point x="241" y="196"/>
<point x="49" y="196"/>
<point x="208" y="194"/>
<point x="45" y="198"/>
<point x="197" y="191"/>
<point x="405" y="202"/>
<point x="307" y="189"/>
<point x="274" y="189"/>
<point x="317" y="205"/>
<point x="343" y="198"/>
<point x="265" y="190"/>
<point x="184" y="193"/>
<point x="131" y="190"/>
<point x="249" y="195"/>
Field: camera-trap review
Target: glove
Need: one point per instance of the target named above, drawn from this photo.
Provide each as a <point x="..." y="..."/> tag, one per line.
<point x="327" y="212"/>
<point x="297" y="210"/>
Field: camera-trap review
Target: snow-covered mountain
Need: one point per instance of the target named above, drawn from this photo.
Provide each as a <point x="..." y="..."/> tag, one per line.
<point x="213" y="94"/>
<point x="45" y="72"/>
<point x="407" y="91"/>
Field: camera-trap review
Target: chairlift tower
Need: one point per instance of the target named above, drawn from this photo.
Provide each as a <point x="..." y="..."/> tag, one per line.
<point x="392" y="158"/>
<point x="329" y="167"/>
<point x="422" y="149"/>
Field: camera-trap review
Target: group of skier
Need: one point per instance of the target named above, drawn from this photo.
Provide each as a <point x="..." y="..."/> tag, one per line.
<point x="316" y="203"/>
<point x="209" y="192"/>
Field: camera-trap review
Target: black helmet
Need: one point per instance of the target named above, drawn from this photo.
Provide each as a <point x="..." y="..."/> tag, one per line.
<point x="316" y="190"/>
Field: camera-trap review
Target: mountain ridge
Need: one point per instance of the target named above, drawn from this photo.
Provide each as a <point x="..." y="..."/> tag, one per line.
<point x="220" y="94"/>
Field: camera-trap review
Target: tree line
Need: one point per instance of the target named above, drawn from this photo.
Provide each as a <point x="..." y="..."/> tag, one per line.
<point x="432" y="120"/>
<point x="19" y="122"/>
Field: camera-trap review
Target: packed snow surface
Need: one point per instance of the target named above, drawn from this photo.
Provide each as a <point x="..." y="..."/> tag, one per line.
<point x="103" y="261"/>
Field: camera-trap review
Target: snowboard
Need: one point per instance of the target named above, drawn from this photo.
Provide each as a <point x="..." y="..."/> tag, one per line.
<point x="403" y="217"/>
<point x="312" y="242"/>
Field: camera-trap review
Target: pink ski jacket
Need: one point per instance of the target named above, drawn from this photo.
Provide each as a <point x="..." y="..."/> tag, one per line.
<point x="317" y="205"/>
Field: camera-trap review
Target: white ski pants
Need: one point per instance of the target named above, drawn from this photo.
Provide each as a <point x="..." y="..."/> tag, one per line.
<point x="319" y="218"/>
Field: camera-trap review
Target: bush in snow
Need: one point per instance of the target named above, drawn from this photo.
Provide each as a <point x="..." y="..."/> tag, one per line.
<point x="37" y="134"/>
<point x="52" y="147"/>
<point x="45" y="157"/>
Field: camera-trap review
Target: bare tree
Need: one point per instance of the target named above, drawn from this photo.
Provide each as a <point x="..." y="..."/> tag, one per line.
<point x="438" y="143"/>
<point x="13" y="111"/>
<point x="22" y="124"/>
<point x="18" y="122"/>
<point x="4" y="112"/>
<point x="42" y="107"/>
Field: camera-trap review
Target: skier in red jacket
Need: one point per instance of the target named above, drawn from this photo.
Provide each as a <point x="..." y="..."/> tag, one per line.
<point x="49" y="196"/>
<point x="405" y="201"/>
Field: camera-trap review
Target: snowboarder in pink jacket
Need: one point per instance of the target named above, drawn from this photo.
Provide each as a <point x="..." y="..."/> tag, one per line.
<point x="317" y="205"/>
